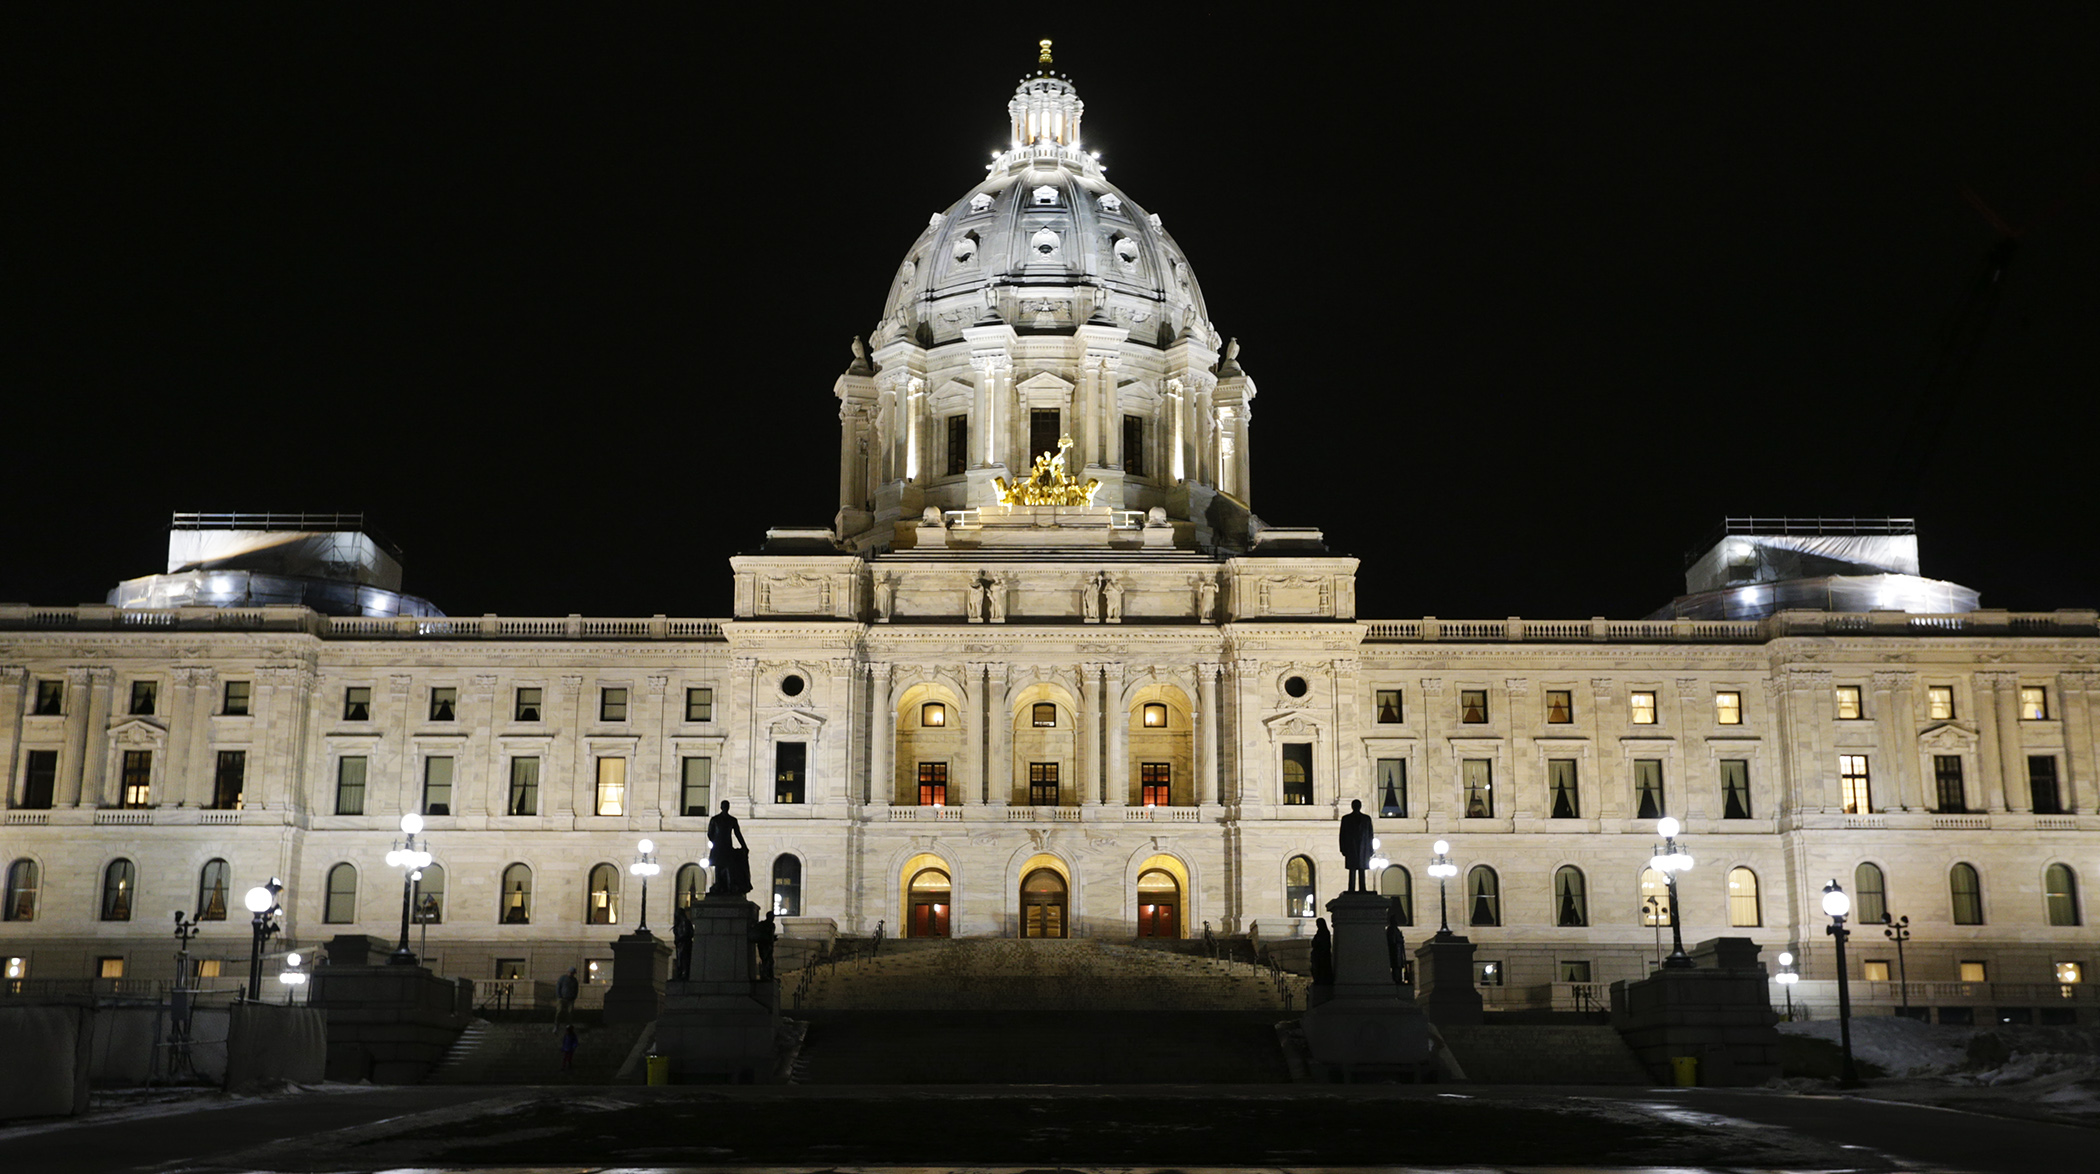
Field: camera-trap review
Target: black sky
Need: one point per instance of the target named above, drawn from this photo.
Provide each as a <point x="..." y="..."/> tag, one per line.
<point x="1533" y="295"/>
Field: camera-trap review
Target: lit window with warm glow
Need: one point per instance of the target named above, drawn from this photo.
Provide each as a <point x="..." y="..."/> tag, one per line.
<point x="933" y="714"/>
<point x="1155" y="717"/>
<point x="612" y="786"/>
<point x="1939" y="703"/>
<point x="1728" y="708"/>
<point x="2034" y="703"/>
<point x="1854" y="786"/>
<point x="1643" y="704"/>
<point x="1560" y="707"/>
<point x="1043" y="715"/>
<point x="933" y="784"/>
<point x="1874" y="970"/>
<point x="1975" y="972"/>
<point x="2066" y="972"/>
<point x="1848" y="707"/>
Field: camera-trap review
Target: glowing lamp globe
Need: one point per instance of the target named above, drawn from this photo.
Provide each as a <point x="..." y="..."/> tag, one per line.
<point x="291" y="959"/>
<point x="1835" y="902"/>
<point x="259" y="899"/>
<point x="411" y="823"/>
<point x="647" y="846"/>
<point x="1668" y="828"/>
<point x="1440" y="847"/>
<point x="1785" y="959"/>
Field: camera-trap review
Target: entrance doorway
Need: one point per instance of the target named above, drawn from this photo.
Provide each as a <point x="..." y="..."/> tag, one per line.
<point x="1159" y="905"/>
<point x="929" y="904"/>
<point x="1042" y="904"/>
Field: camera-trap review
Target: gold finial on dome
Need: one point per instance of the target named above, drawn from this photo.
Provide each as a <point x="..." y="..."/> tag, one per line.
<point x="1045" y="58"/>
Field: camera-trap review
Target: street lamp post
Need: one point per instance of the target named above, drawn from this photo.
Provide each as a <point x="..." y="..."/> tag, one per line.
<point x="1786" y="978"/>
<point x="1443" y="870"/>
<point x="644" y="866"/>
<point x="1898" y="931"/>
<point x="411" y="858"/>
<point x="1654" y="906"/>
<point x="1837" y="905"/>
<point x="262" y="902"/>
<point x="293" y="978"/>
<point x="1670" y="860"/>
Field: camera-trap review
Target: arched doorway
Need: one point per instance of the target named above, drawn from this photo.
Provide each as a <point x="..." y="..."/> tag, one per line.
<point x="1043" y="904"/>
<point x="929" y="904"/>
<point x="1159" y="905"/>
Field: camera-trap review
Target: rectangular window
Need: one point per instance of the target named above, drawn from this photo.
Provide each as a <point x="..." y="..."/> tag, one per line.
<point x="933" y="784"/>
<point x="1043" y="715"/>
<point x="1939" y="702"/>
<point x="1575" y="971"/>
<point x="699" y="705"/>
<point x="1848" y="709"/>
<point x="350" y="785"/>
<point x="695" y="779"/>
<point x="357" y="703"/>
<point x="1297" y="773"/>
<point x="1478" y="775"/>
<point x="1487" y="974"/>
<point x="1946" y="777"/>
<point x="612" y="786"/>
<point x="1392" y="788"/>
<point x="39" y="778"/>
<point x="1565" y="801"/>
<point x="238" y="695"/>
<point x="524" y="787"/>
<point x="958" y="445"/>
<point x="2034" y="703"/>
<point x="1472" y="706"/>
<point x="1560" y="707"/>
<point x="1975" y="972"/>
<point x="2041" y="783"/>
<point x="612" y="704"/>
<point x="229" y="780"/>
<point x="1044" y="431"/>
<point x="50" y="699"/>
<point x="210" y="967"/>
<point x="444" y="703"/>
<point x="509" y="968"/>
<point x="1728" y="708"/>
<point x="437" y="786"/>
<point x="1856" y="792"/>
<point x="1387" y="704"/>
<point x="527" y="704"/>
<point x="1735" y="788"/>
<point x="145" y="698"/>
<point x="790" y="762"/>
<point x="138" y="778"/>
<point x="2068" y="973"/>
<point x="1874" y="970"/>
<point x="1042" y="784"/>
<point x="1134" y="446"/>
<point x="1643" y="705"/>
<point x="1156" y="784"/>
<point x="1648" y="789"/>
<point x="108" y="967"/>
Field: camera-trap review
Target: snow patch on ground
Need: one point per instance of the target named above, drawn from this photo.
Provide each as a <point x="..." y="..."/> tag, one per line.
<point x="2051" y="1072"/>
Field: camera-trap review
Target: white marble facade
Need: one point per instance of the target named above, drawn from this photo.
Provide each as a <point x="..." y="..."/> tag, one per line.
<point x="1160" y="644"/>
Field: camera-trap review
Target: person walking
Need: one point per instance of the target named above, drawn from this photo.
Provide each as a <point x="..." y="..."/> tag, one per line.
<point x="565" y="989"/>
<point x="568" y="1049"/>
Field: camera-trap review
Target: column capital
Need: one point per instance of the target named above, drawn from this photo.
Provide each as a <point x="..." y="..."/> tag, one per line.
<point x="1432" y="686"/>
<point x="1209" y="670"/>
<point x="572" y="686"/>
<point x="1886" y="681"/>
<point x="1517" y="686"/>
<point x="1996" y="680"/>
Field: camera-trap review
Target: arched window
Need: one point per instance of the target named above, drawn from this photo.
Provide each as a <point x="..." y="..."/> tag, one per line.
<point x="211" y="890"/>
<point x="1398" y="885"/>
<point x="1967" y="890"/>
<point x="1655" y="898"/>
<point x="1870" y="898"/>
<point x="2060" y="888"/>
<point x="339" y="906"/>
<point x="118" y="882"/>
<point x="690" y="885"/>
<point x="1742" y="898"/>
<point x="787" y="886"/>
<point x="430" y="896"/>
<point x="515" y="903"/>
<point x="1484" y="893"/>
<point x="602" y="907"/>
<point x="1571" y="898"/>
<point x="21" y="891"/>
<point x="1298" y="887"/>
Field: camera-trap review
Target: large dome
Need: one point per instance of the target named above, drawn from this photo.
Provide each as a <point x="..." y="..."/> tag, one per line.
<point x="1044" y="243"/>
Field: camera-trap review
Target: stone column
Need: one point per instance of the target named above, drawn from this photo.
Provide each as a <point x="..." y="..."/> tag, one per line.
<point x="1116" y="724"/>
<point x="94" y="757"/>
<point x="1608" y="787"/>
<point x="1176" y="422"/>
<point x="1228" y="451"/>
<point x="1809" y="754"/>
<point x="975" y="729"/>
<point x="1348" y="767"/>
<point x="2012" y="769"/>
<point x="199" y="685"/>
<point x="882" y="737"/>
<point x="73" y="751"/>
<point x="1983" y="703"/>
<point x="850" y="417"/>
<point x="12" y="705"/>
<point x="2076" y="693"/>
<point x="1090" y="734"/>
<point x="1897" y="731"/>
<point x="1435" y="758"/>
<point x="999" y="718"/>
<point x="1206" y="734"/>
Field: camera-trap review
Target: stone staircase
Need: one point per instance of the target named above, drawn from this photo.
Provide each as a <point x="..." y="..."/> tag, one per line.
<point x="1013" y="974"/>
<point x="1543" y="1054"/>
<point x="530" y="1053"/>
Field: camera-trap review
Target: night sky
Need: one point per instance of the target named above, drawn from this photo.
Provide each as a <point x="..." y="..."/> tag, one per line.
<point x="1533" y="295"/>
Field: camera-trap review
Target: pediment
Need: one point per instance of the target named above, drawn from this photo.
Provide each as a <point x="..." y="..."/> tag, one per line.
<point x="795" y="722"/>
<point x="137" y="732"/>
<point x="1044" y="390"/>
<point x="952" y="396"/>
<point x="1291" y="725"/>
<point x="1948" y="738"/>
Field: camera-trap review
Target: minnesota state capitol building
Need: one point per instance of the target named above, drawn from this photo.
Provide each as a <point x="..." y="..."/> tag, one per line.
<point x="1048" y="674"/>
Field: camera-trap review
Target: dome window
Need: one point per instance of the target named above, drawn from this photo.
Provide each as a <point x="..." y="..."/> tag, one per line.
<point x="1126" y="252"/>
<point x="1045" y="243"/>
<point x="966" y="249"/>
<point x="980" y="202"/>
<point x="1110" y="202"/>
<point x="1045" y="196"/>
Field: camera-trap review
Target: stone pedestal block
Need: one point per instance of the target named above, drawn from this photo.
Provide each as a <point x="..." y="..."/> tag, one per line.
<point x="388" y="1024"/>
<point x="1721" y="1016"/>
<point x="1368" y="1022"/>
<point x="641" y="963"/>
<point x="1444" y="981"/>
<point x="722" y="1024"/>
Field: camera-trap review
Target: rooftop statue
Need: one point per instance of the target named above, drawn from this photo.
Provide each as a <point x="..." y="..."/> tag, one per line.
<point x="1048" y="483"/>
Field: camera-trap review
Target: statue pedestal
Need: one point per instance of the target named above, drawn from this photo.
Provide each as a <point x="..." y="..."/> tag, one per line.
<point x="1369" y="1023"/>
<point x="1444" y="981"/>
<point x="640" y="964"/>
<point x="721" y="1024"/>
<point x="1719" y="1012"/>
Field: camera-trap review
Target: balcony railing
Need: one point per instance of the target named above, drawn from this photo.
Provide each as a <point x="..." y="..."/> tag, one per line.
<point x="1597" y="629"/>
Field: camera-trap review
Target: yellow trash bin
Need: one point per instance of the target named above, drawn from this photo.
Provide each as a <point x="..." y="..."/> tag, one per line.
<point x="1684" y="1069"/>
<point x="659" y="1069"/>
